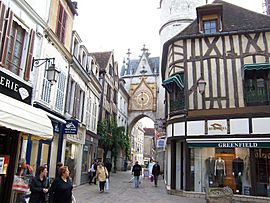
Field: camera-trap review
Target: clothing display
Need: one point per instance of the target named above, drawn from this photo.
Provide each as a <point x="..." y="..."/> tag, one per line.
<point x="210" y="167"/>
<point x="220" y="171"/>
<point x="237" y="171"/>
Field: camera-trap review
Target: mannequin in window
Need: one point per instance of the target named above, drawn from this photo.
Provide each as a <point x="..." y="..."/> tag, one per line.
<point x="237" y="171"/>
<point x="210" y="169"/>
<point x="220" y="171"/>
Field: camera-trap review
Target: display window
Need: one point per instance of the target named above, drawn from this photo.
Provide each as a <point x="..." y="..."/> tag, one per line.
<point x="218" y="167"/>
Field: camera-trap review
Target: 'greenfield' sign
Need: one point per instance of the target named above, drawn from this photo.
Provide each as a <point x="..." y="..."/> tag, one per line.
<point x="231" y="145"/>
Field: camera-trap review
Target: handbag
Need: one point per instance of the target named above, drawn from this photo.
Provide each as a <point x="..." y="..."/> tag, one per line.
<point x="152" y="178"/>
<point x="20" y="185"/>
<point x="107" y="184"/>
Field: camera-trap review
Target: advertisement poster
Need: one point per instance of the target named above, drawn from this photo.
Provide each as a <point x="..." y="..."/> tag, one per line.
<point x="4" y="159"/>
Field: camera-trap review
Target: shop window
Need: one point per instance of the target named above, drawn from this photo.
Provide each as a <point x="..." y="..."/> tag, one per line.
<point x="220" y="167"/>
<point x="257" y="87"/>
<point x="61" y="23"/>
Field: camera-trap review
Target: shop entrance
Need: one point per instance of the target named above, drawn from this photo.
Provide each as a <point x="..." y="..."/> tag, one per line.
<point x="8" y="151"/>
<point x="228" y="179"/>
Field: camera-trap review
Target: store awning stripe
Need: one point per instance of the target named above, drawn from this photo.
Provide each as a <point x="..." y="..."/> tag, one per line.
<point x="22" y="117"/>
<point x="259" y="66"/>
<point x="177" y="79"/>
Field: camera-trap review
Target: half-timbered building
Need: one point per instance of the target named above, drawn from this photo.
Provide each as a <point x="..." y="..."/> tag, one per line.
<point x="216" y="75"/>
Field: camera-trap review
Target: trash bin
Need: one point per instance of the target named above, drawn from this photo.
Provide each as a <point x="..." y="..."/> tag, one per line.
<point x="219" y="195"/>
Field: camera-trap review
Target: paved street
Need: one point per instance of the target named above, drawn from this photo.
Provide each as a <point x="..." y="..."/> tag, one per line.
<point x="121" y="190"/>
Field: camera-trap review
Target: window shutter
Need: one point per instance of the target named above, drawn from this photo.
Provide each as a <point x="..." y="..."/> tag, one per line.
<point x="74" y="113"/>
<point x="29" y="55"/>
<point x="2" y="22"/>
<point x="8" y="25"/>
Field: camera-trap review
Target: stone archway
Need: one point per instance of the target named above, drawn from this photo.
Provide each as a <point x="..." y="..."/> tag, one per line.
<point x="134" y="117"/>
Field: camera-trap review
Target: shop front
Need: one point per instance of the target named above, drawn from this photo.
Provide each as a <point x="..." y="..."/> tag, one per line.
<point x="74" y="150"/>
<point x="243" y="165"/>
<point x="88" y="156"/>
<point x="233" y="152"/>
<point x="18" y="119"/>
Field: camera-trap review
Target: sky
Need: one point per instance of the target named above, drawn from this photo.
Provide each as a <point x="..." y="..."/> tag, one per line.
<point x="119" y="25"/>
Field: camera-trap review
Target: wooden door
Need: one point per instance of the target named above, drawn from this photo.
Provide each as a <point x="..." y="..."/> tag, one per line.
<point x="228" y="179"/>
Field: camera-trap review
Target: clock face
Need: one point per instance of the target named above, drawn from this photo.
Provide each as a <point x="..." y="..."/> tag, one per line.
<point x="141" y="100"/>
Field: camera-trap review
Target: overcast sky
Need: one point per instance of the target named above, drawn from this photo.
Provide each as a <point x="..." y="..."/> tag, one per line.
<point x="117" y="25"/>
<point x="106" y="25"/>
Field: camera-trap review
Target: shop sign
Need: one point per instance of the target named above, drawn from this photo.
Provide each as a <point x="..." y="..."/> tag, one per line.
<point x="161" y="143"/>
<point x="231" y="145"/>
<point x="71" y="127"/>
<point x="85" y="148"/>
<point x="56" y="128"/>
<point x="217" y="127"/>
<point x="14" y="88"/>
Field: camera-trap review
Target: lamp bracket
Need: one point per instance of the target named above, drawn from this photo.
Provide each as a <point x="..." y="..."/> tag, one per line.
<point x="40" y="62"/>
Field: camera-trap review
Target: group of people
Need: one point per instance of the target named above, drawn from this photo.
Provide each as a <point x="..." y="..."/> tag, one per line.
<point x="42" y="191"/>
<point x="137" y="172"/>
<point x="101" y="172"/>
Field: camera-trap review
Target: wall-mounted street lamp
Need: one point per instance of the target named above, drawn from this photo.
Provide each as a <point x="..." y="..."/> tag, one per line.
<point x="52" y="71"/>
<point x="201" y="85"/>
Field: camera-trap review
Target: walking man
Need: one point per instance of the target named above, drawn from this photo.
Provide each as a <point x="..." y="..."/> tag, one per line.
<point x="156" y="172"/>
<point x="137" y="171"/>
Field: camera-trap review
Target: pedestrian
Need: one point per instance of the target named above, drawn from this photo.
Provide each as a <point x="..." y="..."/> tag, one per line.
<point x="136" y="171"/>
<point x="58" y="165"/>
<point x="93" y="173"/>
<point x="156" y="172"/>
<point x="108" y="165"/>
<point x="61" y="188"/>
<point x="102" y="175"/>
<point x="39" y="186"/>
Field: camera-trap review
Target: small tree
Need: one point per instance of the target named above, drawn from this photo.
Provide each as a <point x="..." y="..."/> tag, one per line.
<point x="105" y="137"/>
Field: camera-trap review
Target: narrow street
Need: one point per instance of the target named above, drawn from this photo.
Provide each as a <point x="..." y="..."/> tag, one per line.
<point x="121" y="190"/>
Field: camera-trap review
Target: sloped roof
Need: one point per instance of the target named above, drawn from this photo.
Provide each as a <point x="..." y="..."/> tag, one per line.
<point x="234" y="19"/>
<point x="102" y="58"/>
<point x="134" y="63"/>
<point x="149" y="131"/>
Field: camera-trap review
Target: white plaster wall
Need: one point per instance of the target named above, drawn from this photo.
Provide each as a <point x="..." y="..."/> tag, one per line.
<point x="239" y="126"/>
<point x="261" y="125"/>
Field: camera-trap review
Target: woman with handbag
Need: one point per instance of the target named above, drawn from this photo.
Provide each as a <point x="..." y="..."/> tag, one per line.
<point x="39" y="186"/>
<point x="61" y="188"/>
<point x="102" y="175"/>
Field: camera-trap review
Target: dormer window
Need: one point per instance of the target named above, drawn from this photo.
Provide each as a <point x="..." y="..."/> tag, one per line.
<point x="210" y="26"/>
<point x="210" y="18"/>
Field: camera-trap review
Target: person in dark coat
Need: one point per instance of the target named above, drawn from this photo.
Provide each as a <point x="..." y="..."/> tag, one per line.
<point x="137" y="172"/>
<point x="156" y="172"/>
<point x="108" y="165"/>
<point x="61" y="188"/>
<point x="39" y="186"/>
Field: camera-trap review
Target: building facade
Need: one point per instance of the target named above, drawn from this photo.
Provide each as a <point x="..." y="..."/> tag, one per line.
<point x="109" y="80"/>
<point x="83" y="95"/>
<point x="216" y="78"/>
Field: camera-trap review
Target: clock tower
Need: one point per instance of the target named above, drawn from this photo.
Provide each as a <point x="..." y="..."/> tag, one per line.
<point x="141" y="78"/>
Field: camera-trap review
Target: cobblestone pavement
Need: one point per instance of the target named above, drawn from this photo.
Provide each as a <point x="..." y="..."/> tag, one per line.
<point x="121" y="190"/>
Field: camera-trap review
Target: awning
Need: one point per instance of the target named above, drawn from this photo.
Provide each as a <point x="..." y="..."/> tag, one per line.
<point x="19" y="116"/>
<point x="176" y="78"/>
<point x="257" y="66"/>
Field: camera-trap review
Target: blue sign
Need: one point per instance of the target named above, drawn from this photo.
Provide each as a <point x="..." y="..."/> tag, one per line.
<point x="161" y="143"/>
<point x="71" y="127"/>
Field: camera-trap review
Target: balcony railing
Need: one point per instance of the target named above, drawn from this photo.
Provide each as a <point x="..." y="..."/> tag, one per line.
<point x="255" y="98"/>
<point x="176" y="105"/>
